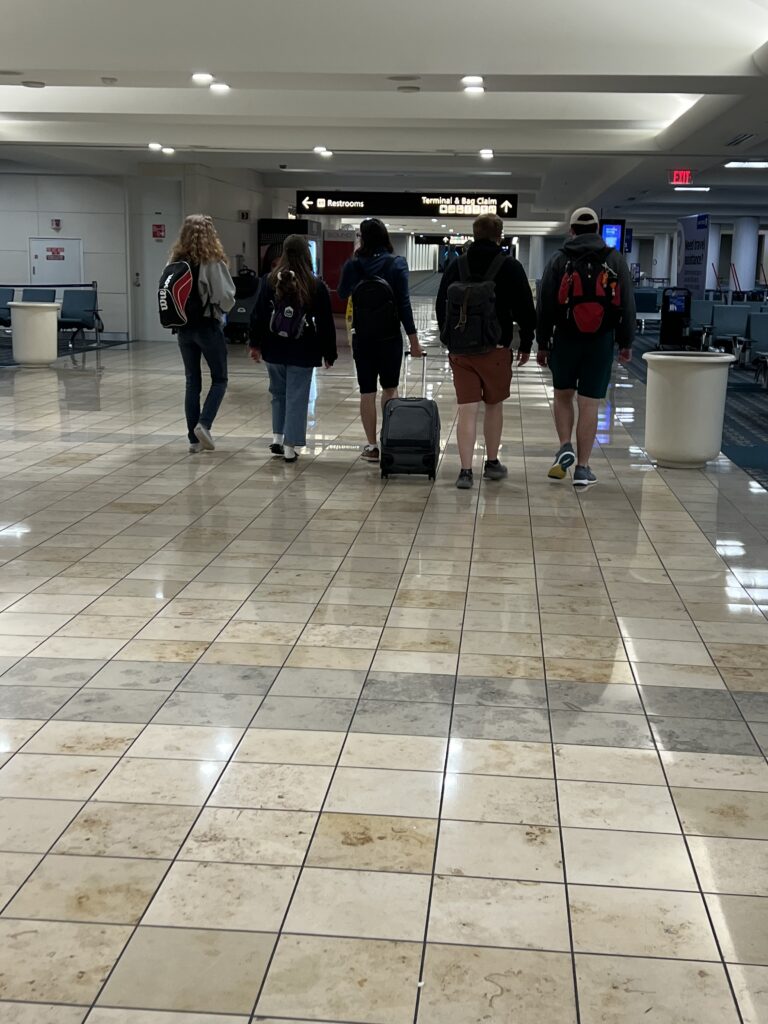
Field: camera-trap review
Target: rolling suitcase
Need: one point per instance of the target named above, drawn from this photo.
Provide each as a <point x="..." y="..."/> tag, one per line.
<point x="410" y="433"/>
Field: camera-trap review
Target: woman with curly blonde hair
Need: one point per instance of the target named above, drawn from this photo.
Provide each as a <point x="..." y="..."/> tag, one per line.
<point x="202" y="338"/>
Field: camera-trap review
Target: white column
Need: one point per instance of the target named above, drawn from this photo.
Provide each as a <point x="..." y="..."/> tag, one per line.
<point x="713" y="255"/>
<point x="744" y="251"/>
<point x="661" y="251"/>
<point x="535" y="266"/>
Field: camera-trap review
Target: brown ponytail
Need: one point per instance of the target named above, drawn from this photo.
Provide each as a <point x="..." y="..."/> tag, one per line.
<point x="293" y="279"/>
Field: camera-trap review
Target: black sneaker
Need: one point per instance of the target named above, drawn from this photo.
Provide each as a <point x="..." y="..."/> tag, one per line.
<point x="465" y="480"/>
<point x="276" y="449"/>
<point x="494" y="470"/>
<point x="564" y="459"/>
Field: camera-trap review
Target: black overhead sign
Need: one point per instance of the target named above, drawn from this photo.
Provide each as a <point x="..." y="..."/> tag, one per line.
<point x="405" y="204"/>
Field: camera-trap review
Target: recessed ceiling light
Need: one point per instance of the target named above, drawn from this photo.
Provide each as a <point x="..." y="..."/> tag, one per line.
<point x="755" y="165"/>
<point x="168" y="150"/>
<point x="472" y="80"/>
<point x="486" y="154"/>
<point x="32" y="84"/>
<point x="443" y="225"/>
<point x="155" y="146"/>
<point x="319" y="149"/>
<point x="434" y="220"/>
<point x="327" y="152"/>
<point x="202" y="78"/>
<point x="220" y="87"/>
<point x="474" y="90"/>
<point x="691" y="188"/>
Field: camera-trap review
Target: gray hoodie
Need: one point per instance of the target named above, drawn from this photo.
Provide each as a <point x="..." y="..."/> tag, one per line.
<point x="217" y="289"/>
<point x="547" y="304"/>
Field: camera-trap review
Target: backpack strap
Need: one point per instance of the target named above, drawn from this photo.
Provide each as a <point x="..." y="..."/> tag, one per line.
<point x="497" y="263"/>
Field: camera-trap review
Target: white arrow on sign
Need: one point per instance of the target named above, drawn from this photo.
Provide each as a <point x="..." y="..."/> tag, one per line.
<point x="506" y="206"/>
<point x="306" y="202"/>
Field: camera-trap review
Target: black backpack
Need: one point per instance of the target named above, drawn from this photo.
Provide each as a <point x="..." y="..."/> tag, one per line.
<point x="589" y="294"/>
<point x="375" y="316"/>
<point x="471" y="324"/>
<point x="178" y="296"/>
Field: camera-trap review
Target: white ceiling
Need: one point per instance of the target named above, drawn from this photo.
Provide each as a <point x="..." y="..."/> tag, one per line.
<point x="580" y="107"/>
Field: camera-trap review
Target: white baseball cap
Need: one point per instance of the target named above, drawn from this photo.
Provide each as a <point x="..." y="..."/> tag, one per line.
<point x="584" y="215"/>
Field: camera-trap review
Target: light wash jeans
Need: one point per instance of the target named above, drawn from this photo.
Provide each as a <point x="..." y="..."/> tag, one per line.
<point x="289" y="387"/>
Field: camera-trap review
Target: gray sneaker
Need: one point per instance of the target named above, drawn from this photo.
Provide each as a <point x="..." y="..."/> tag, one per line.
<point x="203" y="435"/>
<point x="583" y="477"/>
<point x="465" y="480"/>
<point x="494" y="470"/>
<point x="564" y="459"/>
<point x="195" y="447"/>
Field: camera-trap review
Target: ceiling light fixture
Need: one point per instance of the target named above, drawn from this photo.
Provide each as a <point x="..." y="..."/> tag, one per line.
<point x="472" y="80"/>
<point x="486" y="154"/>
<point x="691" y="188"/>
<point x="319" y="149"/>
<point x="434" y="220"/>
<point x="168" y="150"/>
<point x="202" y="78"/>
<point x="753" y="165"/>
<point x="474" y="90"/>
<point x="155" y="146"/>
<point x="108" y="80"/>
<point x="219" y="87"/>
<point x="327" y="153"/>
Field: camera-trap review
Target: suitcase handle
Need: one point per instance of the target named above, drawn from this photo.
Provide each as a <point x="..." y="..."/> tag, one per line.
<point x="423" y="360"/>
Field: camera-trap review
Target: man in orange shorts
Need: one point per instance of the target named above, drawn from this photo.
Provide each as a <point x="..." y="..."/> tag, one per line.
<point x="482" y="295"/>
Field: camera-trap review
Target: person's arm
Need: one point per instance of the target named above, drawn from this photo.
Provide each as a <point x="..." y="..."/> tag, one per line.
<point x="260" y="317"/>
<point x="325" y="324"/>
<point x="625" y="331"/>
<point x="403" y="298"/>
<point x="217" y="285"/>
<point x="523" y="309"/>
<point x="545" y="307"/>
<point x="346" y="281"/>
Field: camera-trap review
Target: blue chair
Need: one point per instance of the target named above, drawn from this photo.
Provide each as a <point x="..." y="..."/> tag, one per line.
<point x="730" y="321"/>
<point x="758" y="331"/>
<point x="79" y="313"/>
<point x="6" y="296"/>
<point x="38" y="295"/>
<point x="701" y="312"/>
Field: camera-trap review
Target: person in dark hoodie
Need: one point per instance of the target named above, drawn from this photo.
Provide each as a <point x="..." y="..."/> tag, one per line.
<point x="586" y="307"/>
<point x="293" y="331"/>
<point x="485" y="377"/>
<point x="377" y="280"/>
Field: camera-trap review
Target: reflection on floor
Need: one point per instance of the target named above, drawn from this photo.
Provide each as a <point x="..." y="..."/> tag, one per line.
<point x="289" y="743"/>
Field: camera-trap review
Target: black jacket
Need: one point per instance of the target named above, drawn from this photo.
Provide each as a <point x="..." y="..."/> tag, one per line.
<point x="547" y="311"/>
<point x="318" y="342"/>
<point x="514" y="302"/>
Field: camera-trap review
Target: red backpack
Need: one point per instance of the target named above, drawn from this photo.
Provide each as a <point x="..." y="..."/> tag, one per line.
<point x="589" y="295"/>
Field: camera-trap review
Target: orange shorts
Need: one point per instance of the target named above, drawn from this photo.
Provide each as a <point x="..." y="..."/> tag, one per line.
<point x="482" y="378"/>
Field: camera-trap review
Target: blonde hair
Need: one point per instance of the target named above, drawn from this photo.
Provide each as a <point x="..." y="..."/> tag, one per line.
<point x="198" y="241"/>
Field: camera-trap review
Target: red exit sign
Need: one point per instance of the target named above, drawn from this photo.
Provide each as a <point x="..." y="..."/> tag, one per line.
<point x="681" y="176"/>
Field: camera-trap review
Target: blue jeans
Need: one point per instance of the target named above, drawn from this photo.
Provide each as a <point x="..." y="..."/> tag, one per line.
<point x="206" y="341"/>
<point x="289" y="387"/>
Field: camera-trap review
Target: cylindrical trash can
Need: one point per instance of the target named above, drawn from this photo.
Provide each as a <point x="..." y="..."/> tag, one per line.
<point x="685" y="407"/>
<point x="34" y="329"/>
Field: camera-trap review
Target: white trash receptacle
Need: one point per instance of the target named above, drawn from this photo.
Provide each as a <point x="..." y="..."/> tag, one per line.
<point x="685" y="407"/>
<point x="34" y="327"/>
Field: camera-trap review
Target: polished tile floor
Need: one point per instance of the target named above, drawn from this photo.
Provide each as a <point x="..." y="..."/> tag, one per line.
<point x="287" y="743"/>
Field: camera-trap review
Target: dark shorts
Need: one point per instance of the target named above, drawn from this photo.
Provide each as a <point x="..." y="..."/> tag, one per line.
<point x="582" y="364"/>
<point x="377" y="361"/>
<point x="482" y="378"/>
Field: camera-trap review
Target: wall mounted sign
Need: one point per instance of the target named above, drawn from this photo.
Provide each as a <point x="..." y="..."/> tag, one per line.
<point x="680" y="176"/>
<point x="158" y="231"/>
<point x="407" y="204"/>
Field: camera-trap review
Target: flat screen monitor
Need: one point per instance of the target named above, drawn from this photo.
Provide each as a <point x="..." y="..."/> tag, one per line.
<point x="313" y="253"/>
<point x="613" y="233"/>
<point x="677" y="302"/>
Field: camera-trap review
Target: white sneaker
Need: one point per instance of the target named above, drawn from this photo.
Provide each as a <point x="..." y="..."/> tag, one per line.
<point x="203" y="435"/>
<point x="195" y="447"/>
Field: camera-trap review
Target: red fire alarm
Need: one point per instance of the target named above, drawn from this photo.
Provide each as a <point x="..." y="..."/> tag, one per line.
<point x="158" y="231"/>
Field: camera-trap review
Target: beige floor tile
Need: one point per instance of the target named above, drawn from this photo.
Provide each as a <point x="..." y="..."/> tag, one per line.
<point x="741" y="926"/>
<point x="715" y="771"/>
<point x="197" y="742"/>
<point x="189" y="969"/>
<point x="28" y="624"/>
<point x="616" y="806"/>
<point x="374" y="842"/>
<point x="250" y="837"/>
<point x="490" y="850"/>
<point x="470" y="983"/>
<point x="290" y="746"/>
<point x="42" y="1013"/>
<point x="608" y="764"/>
<point x="750" y="984"/>
<point x="189" y="608"/>
<point x="245" y="631"/>
<point x="424" y="618"/>
<point x="108" y="890"/>
<point x="737" y="866"/>
<point x="101" y="738"/>
<point x="57" y="961"/>
<point x="414" y="661"/>
<point x="31" y="826"/>
<point x="76" y="647"/>
<point x="634" y="859"/>
<point x="127" y="830"/>
<point x="367" y="904"/>
<point x="14" y="868"/>
<point x="184" y="630"/>
<point x="107" y="627"/>
<point x="394" y="793"/>
<point x="523" y="645"/>
<point x="161" y="650"/>
<point x="57" y="604"/>
<point x="231" y="896"/>
<point x="588" y="670"/>
<point x="232" y="653"/>
<point x="500" y="666"/>
<point x="500" y="757"/>
<point x="53" y="777"/>
<point x="14" y="733"/>
<point x="728" y="813"/>
<point x="498" y="912"/>
<point x="409" y="753"/>
<point x="336" y="978"/>
<point x="158" y="781"/>
<point x="432" y="640"/>
<point x="273" y="786"/>
<point x="329" y="657"/>
<point x="657" y="629"/>
<point x="579" y="647"/>
<point x="501" y="799"/>
<point x="640" y="922"/>
<point x="328" y="635"/>
<point x="18" y="646"/>
<point x="623" y="990"/>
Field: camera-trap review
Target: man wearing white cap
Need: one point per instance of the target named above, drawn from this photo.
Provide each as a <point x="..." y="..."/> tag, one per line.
<point x="586" y="307"/>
